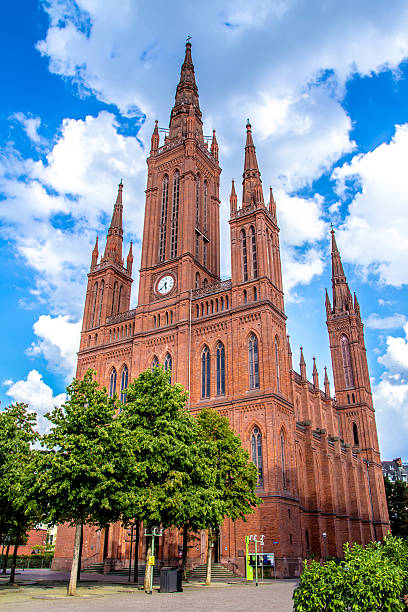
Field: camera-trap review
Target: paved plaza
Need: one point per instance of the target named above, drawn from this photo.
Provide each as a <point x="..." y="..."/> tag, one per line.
<point x="43" y="590"/>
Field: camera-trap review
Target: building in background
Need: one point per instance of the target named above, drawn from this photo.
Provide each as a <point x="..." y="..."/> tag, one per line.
<point x="395" y="470"/>
<point x="320" y="474"/>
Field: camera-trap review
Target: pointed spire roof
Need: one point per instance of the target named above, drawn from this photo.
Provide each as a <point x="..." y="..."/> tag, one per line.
<point x="155" y="141"/>
<point x="315" y="374"/>
<point x="326" y="383"/>
<point x="95" y="254"/>
<point x="252" y="185"/>
<point x="302" y="364"/>
<point x="186" y="95"/>
<point x="233" y="198"/>
<point x="130" y="259"/>
<point x="289" y="351"/>
<point x="342" y="300"/>
<point x="272" y="204"/>
<point x="113" y="248"/>
<point x="214" y="147"/>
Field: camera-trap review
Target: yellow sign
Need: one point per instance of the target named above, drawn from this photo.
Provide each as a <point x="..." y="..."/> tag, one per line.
<point x="151" y="560"/>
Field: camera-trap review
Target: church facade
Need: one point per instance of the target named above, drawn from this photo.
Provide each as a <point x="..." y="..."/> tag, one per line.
<point x="320" y="475"/>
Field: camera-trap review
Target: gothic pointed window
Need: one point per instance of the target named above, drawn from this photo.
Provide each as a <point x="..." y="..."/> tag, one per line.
<point x="254" y="256"/>
<point x="347" y="367"/>
<point x="355" y="435"/>
<point x="205" y="205"/>
<point x="244" y="256"/>
<point x="277" y="372"/>
<point x="120" y="298"/>
<point x="253" y="362"/>
<point x="198" y="190"/>
<point x="205" y="372"/>
<point x="101" y="290"/>
<point x="283" y="460"/>
<point x="114" y="296"/>
<point x="220" y="369"/>
<point x="163" y="218"/>
<point x="123" y="384"/>
<point x="155" y="363"/>
<point x="112" y="383"/>
<point x="197" y="280"/>
<point x="168" y="365"/>
<point x="174" y="214"/>
<point x="197" y="246"/>
<point x="256" y="453"/>
<point x="205" y="252"/>
<point x="94" y="301"/>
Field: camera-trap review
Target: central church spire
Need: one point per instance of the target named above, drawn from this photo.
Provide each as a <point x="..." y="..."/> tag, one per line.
<point x="186" y="101"/>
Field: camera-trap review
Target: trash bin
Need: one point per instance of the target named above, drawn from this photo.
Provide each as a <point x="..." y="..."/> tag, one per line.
<point x="171" y="580"/>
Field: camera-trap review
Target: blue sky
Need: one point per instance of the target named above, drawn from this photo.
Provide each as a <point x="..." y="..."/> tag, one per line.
<point x="325" y="86"/>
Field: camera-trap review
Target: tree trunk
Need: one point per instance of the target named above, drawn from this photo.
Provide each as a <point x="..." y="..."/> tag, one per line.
<point x="137" y="540"/>
<point x="80" y="554"/>
<point x="75" y="560"/>
<point x="209" y="555"/>
<point x="148" y="568"/>
<point x="6" y="559"/>
<point x="13" y="564"/>
<point x="185" y="550"/>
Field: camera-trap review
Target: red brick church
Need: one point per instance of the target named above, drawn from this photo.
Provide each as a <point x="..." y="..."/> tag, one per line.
<point x="320" y="475"/>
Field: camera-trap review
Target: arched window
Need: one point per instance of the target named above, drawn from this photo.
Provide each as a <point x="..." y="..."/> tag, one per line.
<point x="101" y="290"/>
<point x="256" y="452"/>
<point x="206" y="308"/>
<point x="245" y="296"/>
<point x="95" y="298"/>
<point x="163" y="218"/>
<point x="174" y="214"/>
<point x="167" y="318"/>
<point x="353" y="397"/>
<point x="198" y="188"/>
<point x="205" y="282"/>
<point x="244" y="256"/>
<point x="220" y="369"/>
<point x="158" y="320"/>
<point x="205" y="205"/>
<point x="347" y="368"/>
<point x="197" y="310"/>
<point x="120" y="298"/>
<point x="197" y="246"/>
<point x="154" y="321"/>
<point x="171" y="316"/>
<point x="115" y="291"/>
<point x="216" y="304"/>
<point x="197" y="280"/>
<point x="277" y="364"/>
<point x="155" y="363"/>
<point x="212" y="306"/>
<point x="205" y="372"/>
<point x="168" y="365"/>
<point x="124" y="384"/>
<point x="112" y="383"/>
<point x="205" y="252"/>
<point x="222" y="303"/>
<point x="255" y="294"/>
<point x="282" y="445"/>
<point x="226" y="302"/>
<point x="253" y="362"/>
<point x="254" y="257"/>
<point x="355" y="435"/>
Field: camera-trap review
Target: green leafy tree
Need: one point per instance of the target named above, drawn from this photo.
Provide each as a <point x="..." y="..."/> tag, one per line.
<point x="231" y="490"/>
<point x="397" y="502"/>
<point x="370" y="579"/>
<point x="18" y="502"/>
<point x="161" y="454"/>
<point x="81" y="473"/>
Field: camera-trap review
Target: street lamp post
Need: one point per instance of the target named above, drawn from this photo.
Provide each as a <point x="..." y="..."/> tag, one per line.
<point x="254" y="539"/>
<point x="324" y="536"/>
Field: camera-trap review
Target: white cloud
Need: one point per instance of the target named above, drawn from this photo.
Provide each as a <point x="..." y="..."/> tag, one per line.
<point x="30" y="124"/>
<point x="54" y="209"/>
<point x="395" y="359"/>
<point x="374" y="321"/>
<point x="58" y="343"/>
<point x="375" y="232"/>
<point x="39" y="396"/>
<point x="299" y="269"/>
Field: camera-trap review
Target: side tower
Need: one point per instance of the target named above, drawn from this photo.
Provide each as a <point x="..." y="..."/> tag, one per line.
<point x="354" y="401"/>
<point x="255" y="254"/>
<point x="181" y="229"/>
<point x="109" y="283"/>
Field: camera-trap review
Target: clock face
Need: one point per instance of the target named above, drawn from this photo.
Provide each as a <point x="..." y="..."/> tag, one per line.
<point x="165" y="284"/>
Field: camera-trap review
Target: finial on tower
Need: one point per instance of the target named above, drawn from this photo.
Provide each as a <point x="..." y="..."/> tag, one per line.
<point x="233" y="198"/>
<point x="95" y="254"/>
<point x="315" y="375"/>
<point x="326" y="383"/>
<point x="214" y="147"/>
<point x="302" y="365"/>
<point x="155" y="140"/>
<point x="130" y="259"/>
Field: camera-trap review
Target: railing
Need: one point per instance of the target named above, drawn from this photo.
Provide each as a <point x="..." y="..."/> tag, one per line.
<point x="212" y="289"/>
<point x="122" y="316"/>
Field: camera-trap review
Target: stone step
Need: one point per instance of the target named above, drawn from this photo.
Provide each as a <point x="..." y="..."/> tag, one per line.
<point x="218" y="573"/>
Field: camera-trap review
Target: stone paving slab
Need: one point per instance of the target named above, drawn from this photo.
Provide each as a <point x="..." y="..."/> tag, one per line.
<point x="100" y="596"/>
